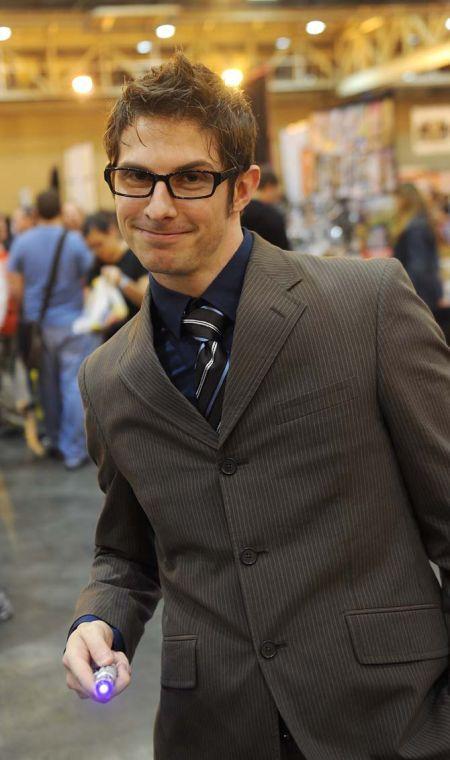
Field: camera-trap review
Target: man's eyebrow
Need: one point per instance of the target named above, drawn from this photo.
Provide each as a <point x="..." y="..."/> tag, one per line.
<point x="201" y="162"/>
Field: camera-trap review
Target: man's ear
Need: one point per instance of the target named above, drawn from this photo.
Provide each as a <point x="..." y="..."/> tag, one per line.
<point x="245" y="186"/>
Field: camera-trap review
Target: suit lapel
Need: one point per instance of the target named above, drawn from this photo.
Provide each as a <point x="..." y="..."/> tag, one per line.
<point x="143" y="374"/>
<point x="268" y="310"/>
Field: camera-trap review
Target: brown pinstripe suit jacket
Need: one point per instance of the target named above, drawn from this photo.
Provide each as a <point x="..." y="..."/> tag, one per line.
<point x="292" y="550"/>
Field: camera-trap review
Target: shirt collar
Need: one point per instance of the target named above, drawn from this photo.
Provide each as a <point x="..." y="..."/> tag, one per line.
<point x="223" y="293"/>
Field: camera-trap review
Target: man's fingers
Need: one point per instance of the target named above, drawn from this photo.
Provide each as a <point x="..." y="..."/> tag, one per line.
<point x="73" y="684"/>
<point x="123" y="672"/>
<point x="100" y="652"/>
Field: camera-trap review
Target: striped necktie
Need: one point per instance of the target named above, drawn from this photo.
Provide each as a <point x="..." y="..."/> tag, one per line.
<point x="206" y="325"/>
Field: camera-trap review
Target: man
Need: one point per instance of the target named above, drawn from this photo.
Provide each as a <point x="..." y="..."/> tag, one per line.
<point x="116" y="263"/>
<point x="288" y="529"/>
<point x="262" y="215"/>
<point x="30" y="263"/>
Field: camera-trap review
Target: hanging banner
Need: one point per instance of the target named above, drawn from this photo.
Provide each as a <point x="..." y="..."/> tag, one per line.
<point x="80" y="176"/>
<point x="430" y="130"/>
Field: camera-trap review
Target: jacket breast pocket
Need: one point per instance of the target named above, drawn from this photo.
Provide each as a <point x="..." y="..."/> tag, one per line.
<point x="322" y="398"/>
<point x="179" y="662"/>
<point x="398" y="634"/>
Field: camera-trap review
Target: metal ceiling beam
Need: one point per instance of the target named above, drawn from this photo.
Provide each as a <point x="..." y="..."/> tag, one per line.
<point x="427" y="59"/>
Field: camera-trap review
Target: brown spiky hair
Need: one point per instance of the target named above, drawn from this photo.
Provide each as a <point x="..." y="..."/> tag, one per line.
<point x="180" y="89"/>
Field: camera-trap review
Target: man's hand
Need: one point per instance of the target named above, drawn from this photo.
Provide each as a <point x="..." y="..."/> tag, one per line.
<point x="89" y="646"/>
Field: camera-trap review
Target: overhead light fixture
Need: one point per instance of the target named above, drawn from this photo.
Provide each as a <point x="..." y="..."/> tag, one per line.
<point x="283" y="43"/>
<point x="165" y="31"/>
<point x="144" y="46"/>
<point x="232" y="77"/>
<point x="5" y="33"/>
<point x="82" y="85"/>
<point x="315" y="27"/>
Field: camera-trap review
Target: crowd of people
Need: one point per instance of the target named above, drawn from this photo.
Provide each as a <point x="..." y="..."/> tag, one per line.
<point x="91" y="248"/>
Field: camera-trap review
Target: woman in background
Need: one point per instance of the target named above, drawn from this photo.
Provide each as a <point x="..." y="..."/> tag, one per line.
<point x="416" y="245"/>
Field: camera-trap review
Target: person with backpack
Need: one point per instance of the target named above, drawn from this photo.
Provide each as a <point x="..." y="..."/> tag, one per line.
<point x="47" y="266"/>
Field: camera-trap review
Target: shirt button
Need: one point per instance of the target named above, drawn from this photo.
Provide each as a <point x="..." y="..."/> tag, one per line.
<point x="248" y="556"/>
<point x="268" y="650"/>
<point x="228" y="466"/>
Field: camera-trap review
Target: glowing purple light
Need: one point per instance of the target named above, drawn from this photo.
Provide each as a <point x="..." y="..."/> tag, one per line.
<point x="105" y="678"/>
<point x="104" y="690"/>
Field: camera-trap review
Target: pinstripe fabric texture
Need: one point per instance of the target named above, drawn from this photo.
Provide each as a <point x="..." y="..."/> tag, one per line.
<point x="292" y="548"/>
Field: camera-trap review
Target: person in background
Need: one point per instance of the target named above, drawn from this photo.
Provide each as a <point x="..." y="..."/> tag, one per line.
<point x="22" y="219"/>
<point x="72" y="216"/>
<point x="415" y="245"/>
<point x="262" y="215"/>
<point x="13" y="373"/>
<point x="29" y="264"/>
<point x="5" y="232"/>
<point x="116" y="262"/>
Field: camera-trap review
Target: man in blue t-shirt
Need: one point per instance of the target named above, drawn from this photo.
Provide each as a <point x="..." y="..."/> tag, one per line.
<point x="30" y="263"/>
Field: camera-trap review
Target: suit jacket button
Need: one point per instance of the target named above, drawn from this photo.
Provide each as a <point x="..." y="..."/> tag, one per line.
<point x="268" y="650"/>
<point x="228" y="466"/>
<point x="248" y="556"/>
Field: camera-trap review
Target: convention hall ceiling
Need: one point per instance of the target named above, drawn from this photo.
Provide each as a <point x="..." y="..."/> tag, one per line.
<point x="373" y="45"/>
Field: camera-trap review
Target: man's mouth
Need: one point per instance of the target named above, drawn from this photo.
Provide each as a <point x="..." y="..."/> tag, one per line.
<point x="163" y="233"/>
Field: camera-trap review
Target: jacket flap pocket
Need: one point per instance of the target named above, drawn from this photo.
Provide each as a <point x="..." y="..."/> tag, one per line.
<point x="323" y="398"/>
<point x="398" y="634"/>
<point x="178" y="662"/>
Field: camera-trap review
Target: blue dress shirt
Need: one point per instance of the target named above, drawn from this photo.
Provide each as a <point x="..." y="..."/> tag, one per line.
<point x="178" y="353"/>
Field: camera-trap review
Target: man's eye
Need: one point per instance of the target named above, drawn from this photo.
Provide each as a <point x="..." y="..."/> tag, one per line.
<point x="134" y="175"/>
<point x="191" y="177"/>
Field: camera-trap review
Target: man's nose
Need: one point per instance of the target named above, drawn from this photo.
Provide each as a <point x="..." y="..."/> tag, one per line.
<point x="160" y="204"/>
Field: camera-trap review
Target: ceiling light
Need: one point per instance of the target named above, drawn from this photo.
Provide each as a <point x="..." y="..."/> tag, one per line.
<point x="164" y="31"/>
<point x="82" y="85"/>
<point x="144" y="46"/>
<point x="315" y="27"/>
<point x="283" y="43"/>
<point x="232" y="77"/>
<point x="447" y="24"/>
<point x="5" y="33"/>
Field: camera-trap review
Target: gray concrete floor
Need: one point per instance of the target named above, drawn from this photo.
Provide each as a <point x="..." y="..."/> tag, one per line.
<point x="47" y="519"/>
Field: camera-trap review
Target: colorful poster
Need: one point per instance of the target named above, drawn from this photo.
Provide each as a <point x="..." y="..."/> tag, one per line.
<point x="430" y="130"/>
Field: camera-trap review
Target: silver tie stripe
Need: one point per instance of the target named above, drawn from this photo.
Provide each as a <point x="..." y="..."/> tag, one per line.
<point x="206" y="325"/>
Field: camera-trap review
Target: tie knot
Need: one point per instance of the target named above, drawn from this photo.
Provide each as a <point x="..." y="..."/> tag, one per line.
<point x="205" y="323"/>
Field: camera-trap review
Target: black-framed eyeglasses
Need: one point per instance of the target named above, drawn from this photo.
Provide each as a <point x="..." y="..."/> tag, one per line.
<point x="190" y="184"/>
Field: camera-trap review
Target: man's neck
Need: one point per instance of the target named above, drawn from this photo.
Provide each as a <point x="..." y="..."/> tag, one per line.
<point x="55" y="222"/>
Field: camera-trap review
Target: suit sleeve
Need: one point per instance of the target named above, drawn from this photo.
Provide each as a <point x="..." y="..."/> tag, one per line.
<point x="414" y="394"/>
<point x="124" y="588"/>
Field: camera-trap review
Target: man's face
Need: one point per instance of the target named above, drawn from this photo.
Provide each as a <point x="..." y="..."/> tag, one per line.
<point x="169" y="236"/>
<point x="103" y="244"/>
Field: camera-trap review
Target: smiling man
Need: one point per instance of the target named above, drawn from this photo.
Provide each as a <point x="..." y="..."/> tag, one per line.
<point x="272" y="438"/>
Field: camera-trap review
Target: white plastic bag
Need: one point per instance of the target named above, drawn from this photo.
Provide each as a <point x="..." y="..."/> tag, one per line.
<point x="105" y="304"/>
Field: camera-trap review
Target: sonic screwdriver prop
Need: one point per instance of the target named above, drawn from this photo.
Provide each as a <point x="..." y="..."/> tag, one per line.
<point x="105" y="681"/>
